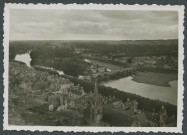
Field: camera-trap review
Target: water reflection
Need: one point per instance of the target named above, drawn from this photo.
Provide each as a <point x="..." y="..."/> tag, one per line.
<point x="86" y="60"/>
<point x="167" y="94"/>
<point x="24" y="58"/>
<point x="59" y="72"/>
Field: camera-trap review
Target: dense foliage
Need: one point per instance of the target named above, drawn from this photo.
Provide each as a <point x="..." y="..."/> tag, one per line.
<point x="128" y="47"/>
<point x="132" y="48"/>
<point x="61" y="56"/>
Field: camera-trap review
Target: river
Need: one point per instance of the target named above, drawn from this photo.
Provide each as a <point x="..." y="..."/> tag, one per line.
<point x="166" y="94"/>
<point x="25" y="57"/>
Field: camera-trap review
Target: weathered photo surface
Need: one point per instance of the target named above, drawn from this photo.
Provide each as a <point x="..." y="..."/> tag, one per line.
<point x="93" y="66"/>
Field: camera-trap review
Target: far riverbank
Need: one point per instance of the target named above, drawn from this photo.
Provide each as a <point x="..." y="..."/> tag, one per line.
<point x="155" y="78"/>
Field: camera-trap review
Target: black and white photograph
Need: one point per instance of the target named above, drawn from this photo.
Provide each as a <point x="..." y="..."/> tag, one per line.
<point x="93" y="67"/>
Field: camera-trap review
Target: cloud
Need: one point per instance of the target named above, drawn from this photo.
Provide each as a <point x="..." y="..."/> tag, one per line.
<point x="50" y="24"/>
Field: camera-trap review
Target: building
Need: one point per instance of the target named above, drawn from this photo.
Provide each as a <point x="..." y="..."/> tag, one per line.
<point x="101" y="69"/>
<point x="65" y="98"/>
<point x="117" y="104"/>
<point x="96" y="107"/>
<point x="78" y="50"/>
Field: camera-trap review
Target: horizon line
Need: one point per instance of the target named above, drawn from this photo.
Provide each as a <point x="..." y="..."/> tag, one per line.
<point x="91" y="40"/>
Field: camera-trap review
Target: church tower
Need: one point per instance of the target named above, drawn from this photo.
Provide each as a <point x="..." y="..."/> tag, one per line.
<point x="96" y="94"/>
<point x="95" y="88"/>
<point x="96" y="107"/>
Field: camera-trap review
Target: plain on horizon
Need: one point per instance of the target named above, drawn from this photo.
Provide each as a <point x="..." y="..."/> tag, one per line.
<point x="52" y="24"/>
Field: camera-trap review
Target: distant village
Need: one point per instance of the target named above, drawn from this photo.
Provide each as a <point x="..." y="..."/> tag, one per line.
<point x="130" y="64"/>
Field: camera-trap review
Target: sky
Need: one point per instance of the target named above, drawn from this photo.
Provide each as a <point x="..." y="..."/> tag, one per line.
<point x="56" y="24"/>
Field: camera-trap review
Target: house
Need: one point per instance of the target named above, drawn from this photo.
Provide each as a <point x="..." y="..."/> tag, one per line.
<point x="87" y="78"/>
<point x="132" y="105"/>
<point x="117" y="104"/>
<point x="101" y="69"/>
<point x="72" y="104"/>
<point x="78" y="50"/>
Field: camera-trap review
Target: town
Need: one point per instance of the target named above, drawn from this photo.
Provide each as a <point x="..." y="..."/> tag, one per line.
<point x="58" y="101"/>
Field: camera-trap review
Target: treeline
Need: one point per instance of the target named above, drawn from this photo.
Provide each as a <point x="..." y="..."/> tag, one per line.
<point x="144" y="103"/>
<point x="125" y="65"/>
<point x="18" y="48"/>
<point x="130" y="48"/>
<point x="133" y="48"/>
<point x="59" y="58"/>
<point x="21" y="63"/>
<point x="159" y="70"/>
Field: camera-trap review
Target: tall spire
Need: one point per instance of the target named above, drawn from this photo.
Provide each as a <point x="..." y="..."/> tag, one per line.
<point x="95" y="88"/>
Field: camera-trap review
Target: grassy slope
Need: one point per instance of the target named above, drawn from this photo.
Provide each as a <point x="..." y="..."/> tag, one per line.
<point x="153" y="78"/>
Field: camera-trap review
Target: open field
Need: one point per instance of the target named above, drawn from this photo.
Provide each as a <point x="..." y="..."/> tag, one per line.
<point x="153" y="78"/>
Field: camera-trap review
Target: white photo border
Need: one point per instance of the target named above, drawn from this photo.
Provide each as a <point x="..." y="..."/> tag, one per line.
<point x="178" y="8"/>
